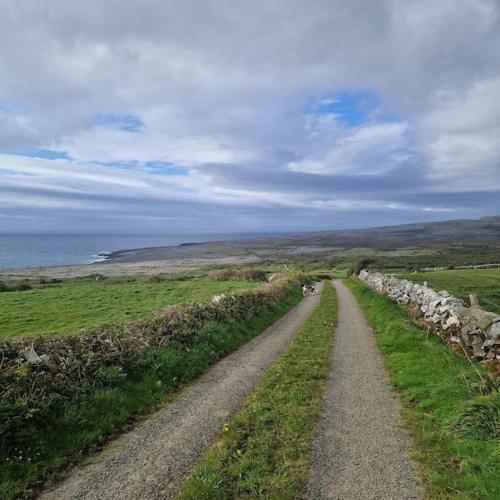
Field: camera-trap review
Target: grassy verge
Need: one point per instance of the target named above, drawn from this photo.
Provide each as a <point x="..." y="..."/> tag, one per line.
<point x="84" y="304"/>
<point x="264" y="450"/>
<point x="36" y="445"/>
<point x="454" y="419"/>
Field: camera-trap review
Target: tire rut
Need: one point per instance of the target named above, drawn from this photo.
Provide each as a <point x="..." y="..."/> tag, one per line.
<point x="360" y="450"/>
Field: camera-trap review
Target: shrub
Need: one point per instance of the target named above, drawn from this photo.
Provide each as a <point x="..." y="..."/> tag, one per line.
<point x="413" y="268"/>
<point x="109" y="280"/>
<point x="222" y="274"/>
<point x="18" y="287"/>
<point x="322" y="276"/>
<point x="251" y="274"/>
<point x="155" y="278"/>
<point x="358" y="266"/>
<point x="22" y="287"/>
<point x="248" y="274"/>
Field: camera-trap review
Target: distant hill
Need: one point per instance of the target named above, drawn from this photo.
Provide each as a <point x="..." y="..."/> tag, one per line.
<point x="485" y="231"/>
<point x="461" y="231"/>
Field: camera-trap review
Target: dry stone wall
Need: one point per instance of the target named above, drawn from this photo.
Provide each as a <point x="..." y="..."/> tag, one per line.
<point x="472" y="328"/>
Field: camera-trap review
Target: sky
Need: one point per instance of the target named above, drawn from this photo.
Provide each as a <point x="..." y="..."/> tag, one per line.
<point x="247" y="116"/>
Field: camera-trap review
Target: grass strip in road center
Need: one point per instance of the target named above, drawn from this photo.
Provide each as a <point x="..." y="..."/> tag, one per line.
<point x="452" y="409"/>
<point x="264" y="451"/>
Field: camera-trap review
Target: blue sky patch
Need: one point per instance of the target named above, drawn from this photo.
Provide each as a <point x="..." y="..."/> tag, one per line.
<point x="154" y="167"/>
<point x="351" y="108"/>
<point x="129" y="123"/>
<point x="123" y="165"/>
<point x="163" y="168"/>
<point x="47" y="154"/>
<point x="8" y="110"/>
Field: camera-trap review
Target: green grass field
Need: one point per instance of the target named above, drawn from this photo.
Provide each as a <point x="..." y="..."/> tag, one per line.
<point x="450" y="407"/>
<point x="483" y="282"/>
<point x="78" y="305"/>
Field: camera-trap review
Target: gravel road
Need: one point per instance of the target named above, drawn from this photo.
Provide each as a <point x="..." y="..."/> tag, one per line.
<point x="360" y="451"/>
<point x="152" y="461"/>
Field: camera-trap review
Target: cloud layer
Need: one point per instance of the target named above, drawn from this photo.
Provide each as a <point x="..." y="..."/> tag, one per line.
<point x="238" y="116"/>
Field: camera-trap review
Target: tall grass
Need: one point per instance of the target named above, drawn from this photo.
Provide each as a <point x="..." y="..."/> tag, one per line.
<point x="480" y="417"/>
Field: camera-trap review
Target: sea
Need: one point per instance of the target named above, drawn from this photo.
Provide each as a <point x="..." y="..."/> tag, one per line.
<point x="19" y="250"/>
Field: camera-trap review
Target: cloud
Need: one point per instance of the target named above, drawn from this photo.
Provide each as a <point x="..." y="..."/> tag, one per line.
<point x="462" y="134"/>
<point x="249" y="116"/>
<point x="367" y="149"/>
<point x="107" y="144"/>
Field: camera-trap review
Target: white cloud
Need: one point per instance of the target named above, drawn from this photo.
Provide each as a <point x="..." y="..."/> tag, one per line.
<point x="226" y="83"/>
<point x="367" y="149"/>
<point x="461" y="137"/>
<point x="108" y="144"/>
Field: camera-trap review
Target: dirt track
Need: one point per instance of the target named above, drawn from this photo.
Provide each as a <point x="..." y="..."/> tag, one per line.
<point x="152" y="461"/>
<point x="360" y="451"/>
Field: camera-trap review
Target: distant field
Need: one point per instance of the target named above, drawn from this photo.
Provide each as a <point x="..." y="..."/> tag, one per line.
<point x="79" y="305"/>
<point x="483" y="282"/>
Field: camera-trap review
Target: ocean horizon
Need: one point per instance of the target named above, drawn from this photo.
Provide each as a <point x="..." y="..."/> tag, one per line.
<point x="21" y="250"/>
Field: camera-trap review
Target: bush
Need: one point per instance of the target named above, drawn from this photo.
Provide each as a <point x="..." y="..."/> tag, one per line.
<point x="155" y="278"/>
<point x="22" y="287"/>
<point x="18" y="287"/>
<point x="110" y="280"/>
<point x="322" y="277"/>
<point x="222" y="274"/>
<point x="413" y="268"/>
<point x="247" y="274"/>
<point x="358" y="266"/>
<point x="252" y="275"/>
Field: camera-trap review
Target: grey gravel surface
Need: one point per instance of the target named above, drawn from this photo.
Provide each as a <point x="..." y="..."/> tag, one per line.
<point x="360" y="450"/>
<point x="153" y="460"/>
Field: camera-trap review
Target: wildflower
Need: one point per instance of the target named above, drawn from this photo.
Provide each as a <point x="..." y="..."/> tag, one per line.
<point x="238" y="452"/>
<point x="225" y="427"/>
